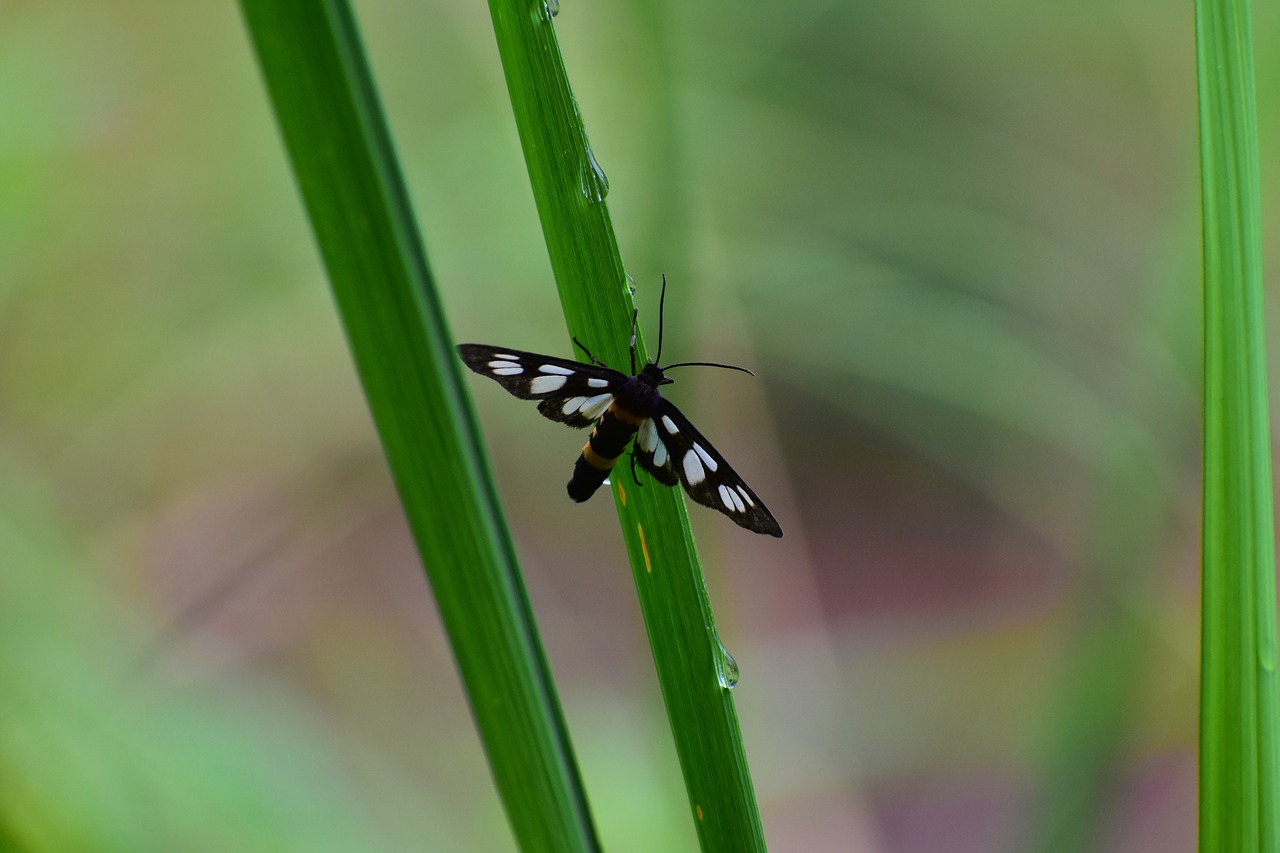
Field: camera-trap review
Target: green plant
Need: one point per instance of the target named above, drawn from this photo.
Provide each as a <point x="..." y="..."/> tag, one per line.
<point x="1239" y="751"/>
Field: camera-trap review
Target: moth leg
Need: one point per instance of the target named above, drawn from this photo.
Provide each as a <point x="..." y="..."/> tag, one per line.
<point x="635" y="312"/>
<point x="594" y="360"/>
<point x="633" y="469"/>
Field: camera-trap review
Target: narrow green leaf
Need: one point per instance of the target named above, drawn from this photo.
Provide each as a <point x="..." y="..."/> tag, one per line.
<point x="569" y="190"/>
<point x="341" y="153"/>
<point x="1239" y="806"/>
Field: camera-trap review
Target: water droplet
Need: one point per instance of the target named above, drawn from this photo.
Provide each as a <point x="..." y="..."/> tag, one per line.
<point x="726" y="667"/>
<point x="545" y="10"/>
<point x="595" y="186"/>
<point x="631" y="283"/>
<point x="1267" y="649"/>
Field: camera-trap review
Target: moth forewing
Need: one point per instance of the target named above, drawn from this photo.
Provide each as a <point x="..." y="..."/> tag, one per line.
<point x="707" y="477"/>
<point x="530" y="376"/>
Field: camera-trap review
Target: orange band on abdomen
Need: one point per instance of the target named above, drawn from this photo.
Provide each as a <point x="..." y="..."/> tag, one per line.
<point x="595" y="460"/>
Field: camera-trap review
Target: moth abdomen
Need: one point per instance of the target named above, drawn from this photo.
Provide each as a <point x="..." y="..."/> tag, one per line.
<point x="586" y="478"/>
<point x="601" y="452"/>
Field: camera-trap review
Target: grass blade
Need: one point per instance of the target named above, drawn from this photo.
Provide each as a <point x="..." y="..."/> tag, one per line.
<point x="341" y="153"/>
<point x="1239" y="806"/>
<point x="569" y="190"/>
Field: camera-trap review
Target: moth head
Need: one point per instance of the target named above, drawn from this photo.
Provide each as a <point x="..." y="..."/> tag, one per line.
<point x="653" y="373"/>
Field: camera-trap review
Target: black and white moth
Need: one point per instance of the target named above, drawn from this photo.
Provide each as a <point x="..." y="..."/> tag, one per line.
<point x="620" y="407"/>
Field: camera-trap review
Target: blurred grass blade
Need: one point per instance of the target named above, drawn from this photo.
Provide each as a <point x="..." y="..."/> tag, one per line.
<point x="341" y="153"/>
<point x="569" y="189"/>
<point x="1239" y="807"/>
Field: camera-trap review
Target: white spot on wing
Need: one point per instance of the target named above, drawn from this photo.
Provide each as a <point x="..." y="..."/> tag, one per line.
<point x="501" y="367"/>
<point x="595" y="406"/>
<point x="726" y="497"/>
<point x="659" y="455"/>
<point x="556" y="369"/>
<point x="693" y="472"/>
<point x="670" y="425"/>
<point x="737" y="501"/>
<point x="706" y="457"/>
<point x="573" y="404"/>
<point x="507" y="356"/>
<point x="648" y="437"/>
<point x="546" y="384"/>
<point x="593" y="382"/>
<point x="745" y="496"/>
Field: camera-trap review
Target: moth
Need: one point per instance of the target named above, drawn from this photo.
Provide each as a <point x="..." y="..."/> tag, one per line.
<point x="623" y="407"/>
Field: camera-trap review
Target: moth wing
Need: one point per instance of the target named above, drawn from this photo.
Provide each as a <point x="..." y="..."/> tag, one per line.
<point x="570" y="392"/>
<point x="652" y="453"/>
<point x="703" y="471"/>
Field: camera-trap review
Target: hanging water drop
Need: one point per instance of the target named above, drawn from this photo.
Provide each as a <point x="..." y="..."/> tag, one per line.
<point x="545" y="10"/>
<point x="726" y="667"/>
<point x="595" y="185"/>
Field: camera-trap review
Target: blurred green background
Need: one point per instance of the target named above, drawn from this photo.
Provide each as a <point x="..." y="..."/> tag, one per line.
<point x="959" y="244"/>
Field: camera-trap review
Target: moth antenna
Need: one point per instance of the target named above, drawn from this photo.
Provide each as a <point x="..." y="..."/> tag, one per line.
<point x="662" y="315"/>
<point x="708" y="364"/>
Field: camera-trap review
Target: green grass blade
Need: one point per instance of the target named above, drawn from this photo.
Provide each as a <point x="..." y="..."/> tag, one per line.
<point x="1239" y="807"/>
<point x="341" y="153"/>
<point x="569" y="191"/>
